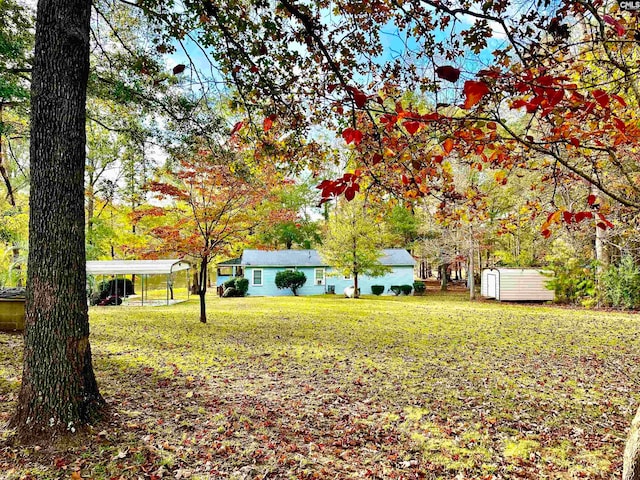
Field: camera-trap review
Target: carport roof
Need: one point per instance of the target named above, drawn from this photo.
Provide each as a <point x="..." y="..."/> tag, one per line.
<point x="137" y="267"/>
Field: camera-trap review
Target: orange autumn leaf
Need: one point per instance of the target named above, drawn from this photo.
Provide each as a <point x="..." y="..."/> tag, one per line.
<point x="474" y="91"/>
<point x="447" y="146"/>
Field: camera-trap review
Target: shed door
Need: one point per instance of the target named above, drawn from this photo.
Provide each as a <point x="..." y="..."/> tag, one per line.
<point x="491" y="285"/>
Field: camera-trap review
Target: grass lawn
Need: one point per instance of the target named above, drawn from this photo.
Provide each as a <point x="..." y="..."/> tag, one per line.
<point x="324" y="387"/>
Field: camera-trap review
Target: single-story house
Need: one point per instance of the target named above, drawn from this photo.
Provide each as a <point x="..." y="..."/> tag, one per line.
<point x="261" y="266"/>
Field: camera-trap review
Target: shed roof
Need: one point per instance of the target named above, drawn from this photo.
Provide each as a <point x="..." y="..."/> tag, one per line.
<point x="140" y="267"/>
<point x="311" y="258"/>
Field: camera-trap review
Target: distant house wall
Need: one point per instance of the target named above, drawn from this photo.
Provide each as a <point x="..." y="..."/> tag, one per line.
<point x="268" y="287"/>
<point x="400" y="275"/>
<point x="516" y="284"/>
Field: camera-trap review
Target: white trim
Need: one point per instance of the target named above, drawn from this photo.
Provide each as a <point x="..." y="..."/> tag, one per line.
<point x="140" y="267"/>
<point x="253" y="277"/>
<point x="323" y="279"/>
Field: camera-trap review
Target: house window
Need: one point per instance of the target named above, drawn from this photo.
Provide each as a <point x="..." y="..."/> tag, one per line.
<point x="256" y="278"/>
<point x="319" y="276"/>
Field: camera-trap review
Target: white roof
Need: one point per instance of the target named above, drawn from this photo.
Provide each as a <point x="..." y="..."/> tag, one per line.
<point x="140" y="267"/>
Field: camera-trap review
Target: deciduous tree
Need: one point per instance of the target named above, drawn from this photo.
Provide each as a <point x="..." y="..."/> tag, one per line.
<point x="352" y="242"/>
<point x="214" y="205"/>
<point x="59" y="392"/>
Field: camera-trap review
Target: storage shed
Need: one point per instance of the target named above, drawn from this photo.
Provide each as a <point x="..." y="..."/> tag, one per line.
<point x="516" y="284"/>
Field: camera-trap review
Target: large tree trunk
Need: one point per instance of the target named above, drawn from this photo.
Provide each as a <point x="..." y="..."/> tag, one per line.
<point x="631" y="467"/>
<point x="59" y="392"/>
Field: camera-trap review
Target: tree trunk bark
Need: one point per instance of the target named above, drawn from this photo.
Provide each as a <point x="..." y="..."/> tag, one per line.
<point x="356" y="292"/>
<point x="631" y="465"/>
<point x="59" y="392"/>
<point x="202" y="289"/>
<point x="600" y="250"/>
<point x="444" y="277"/>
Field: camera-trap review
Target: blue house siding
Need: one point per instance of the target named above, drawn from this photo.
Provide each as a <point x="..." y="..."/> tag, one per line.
<point x="264" y="265"/>
<point x="269" y="289"/>
<point x="400" y="275"/>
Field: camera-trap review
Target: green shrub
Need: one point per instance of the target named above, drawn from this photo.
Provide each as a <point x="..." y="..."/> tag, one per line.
<point x="235" y="287"/>
<point x="377" y="289"/>
<point x="406" y="289"/>
<point x="573" y="278"/>
<point x="291" y="279"/>
<point x="242" y="285"/>
<point x="396" y="289"/>
<point x="620" y="284"/>
<point x="419" y="287"/>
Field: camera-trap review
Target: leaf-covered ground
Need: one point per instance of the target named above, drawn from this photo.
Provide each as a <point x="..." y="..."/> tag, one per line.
<point x="325" y="387"/>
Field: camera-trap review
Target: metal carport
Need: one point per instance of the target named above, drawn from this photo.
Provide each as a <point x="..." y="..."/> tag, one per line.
<point x="143" y="268"/>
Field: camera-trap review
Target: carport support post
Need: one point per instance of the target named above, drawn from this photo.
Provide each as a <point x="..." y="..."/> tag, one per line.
<point x="168" y="288"/>
<point x="188" y="270"/>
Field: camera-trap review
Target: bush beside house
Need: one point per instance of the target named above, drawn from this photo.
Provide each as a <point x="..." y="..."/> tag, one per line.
<point x="293" y="279"/>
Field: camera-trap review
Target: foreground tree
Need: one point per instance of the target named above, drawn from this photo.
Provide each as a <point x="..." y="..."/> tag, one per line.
<point x="352" y="243"/>
<point x="59" y="392"/>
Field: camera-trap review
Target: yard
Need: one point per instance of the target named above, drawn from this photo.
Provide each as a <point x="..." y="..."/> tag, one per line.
<point x="324" y="387"/>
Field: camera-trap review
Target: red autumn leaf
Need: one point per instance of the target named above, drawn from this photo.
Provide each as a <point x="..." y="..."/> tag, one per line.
<point x="430" y="117"/>
<point x="546" y="233"/>
<point x="591" y="199"/>
<point x="605" y="221"/>
<point x="377" y="158"/>
<point x="616" y="24"/>
<point x="474" y="91"/>
<point x="601" y="97"/>
<point x="351" y="135"/>
<point x="331" y="87"/>
<point x="447" y="146"/>
<point x="580" y="216"/>
<point x="412" y="126"/>
<point x="237" y="127"/>
<point x="574" y="141"/>
<point x="179" y="69"/>
<point x="620" y="125"/>
<point x="568" y="216"/>
<point x="358" y="97"/>
<point x="268" y="123"/>
<point x="405" y="180"/>
<point x="620" y="100"/>
<point x="448" y="73"/>
<point x="350" y="193"/>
